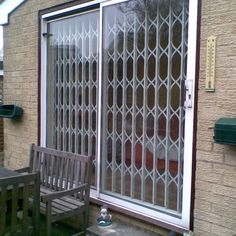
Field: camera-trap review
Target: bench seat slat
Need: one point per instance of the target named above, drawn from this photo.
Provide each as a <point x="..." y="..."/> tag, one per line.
<point x="69" y="200"/>
<point x="60" y="206"/>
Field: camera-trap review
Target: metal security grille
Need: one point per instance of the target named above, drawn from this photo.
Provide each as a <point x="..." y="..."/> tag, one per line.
<point x="72" y="85"/>
<point x="144" y="67"/>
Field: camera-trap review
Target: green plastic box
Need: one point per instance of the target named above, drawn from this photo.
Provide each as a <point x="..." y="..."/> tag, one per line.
<point x="10" y="111"/>
<point x="225" y="131"/>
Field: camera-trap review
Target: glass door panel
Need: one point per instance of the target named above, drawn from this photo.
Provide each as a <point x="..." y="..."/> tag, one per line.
<point x="144" y="67"/>
<point x="72" y="85"/>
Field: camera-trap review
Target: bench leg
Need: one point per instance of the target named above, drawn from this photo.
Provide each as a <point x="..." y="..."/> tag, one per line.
<point x="86" y="219"/>
<point x="37" y="221"/>
<point x="48" y="219"/>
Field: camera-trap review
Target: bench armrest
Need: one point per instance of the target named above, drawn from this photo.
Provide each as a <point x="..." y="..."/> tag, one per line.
<point x="58" y="194"/>
<point x="23" y="170"/>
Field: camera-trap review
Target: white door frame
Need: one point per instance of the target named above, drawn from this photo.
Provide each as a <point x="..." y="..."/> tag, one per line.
<point x="183" y="221"/>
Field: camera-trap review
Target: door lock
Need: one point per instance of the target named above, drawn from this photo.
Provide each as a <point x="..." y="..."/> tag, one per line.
<point x="189" y="93"/>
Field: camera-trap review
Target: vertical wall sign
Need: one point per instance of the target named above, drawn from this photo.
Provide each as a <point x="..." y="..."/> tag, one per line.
<point x="210" y="64"/>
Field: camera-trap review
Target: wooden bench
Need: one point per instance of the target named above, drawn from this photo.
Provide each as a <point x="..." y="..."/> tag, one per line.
<point x="65" y="183"/>
<point x="17" y="194"/>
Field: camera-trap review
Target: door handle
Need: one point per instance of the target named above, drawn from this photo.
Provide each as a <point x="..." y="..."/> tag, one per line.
<point x="188" y="94"/>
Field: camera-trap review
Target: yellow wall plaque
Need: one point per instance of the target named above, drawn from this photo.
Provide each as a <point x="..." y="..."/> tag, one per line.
<point x="210" y="64"/>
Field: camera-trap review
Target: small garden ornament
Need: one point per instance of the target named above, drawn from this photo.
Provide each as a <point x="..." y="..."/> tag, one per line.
<point x="104" y="219"/>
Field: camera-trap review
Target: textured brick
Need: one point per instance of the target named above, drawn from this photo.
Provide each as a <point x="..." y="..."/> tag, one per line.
<point x="220" y="231"/>
<point x="215" y="219"/>
<point x="230" y="159"/>
<point x="203" y="170"/>
<point x="202" y="224"/>
<point x="223" y="210"/>
<point x="210" y="156"/>
<point x="224" y="169"/>
<point x="203" y="205"/>
<point x="224" y="190"/>
<point x="215" y="173"/>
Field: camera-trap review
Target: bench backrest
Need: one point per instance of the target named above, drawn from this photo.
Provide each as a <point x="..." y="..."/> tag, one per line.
<point x="17" y="195"/>
<point x="60" y="170"/>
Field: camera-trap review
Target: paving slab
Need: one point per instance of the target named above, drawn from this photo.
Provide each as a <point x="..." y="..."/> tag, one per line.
<point x="118" y="229"/>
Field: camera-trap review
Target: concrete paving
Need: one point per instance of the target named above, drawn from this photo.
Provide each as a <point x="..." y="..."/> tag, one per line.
<point x="118" y="229"/>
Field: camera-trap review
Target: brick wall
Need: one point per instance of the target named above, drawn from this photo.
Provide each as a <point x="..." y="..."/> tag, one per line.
<point x="1" y="123"/>
<point x="215" y="203"/>
<point x="21" y="79"/>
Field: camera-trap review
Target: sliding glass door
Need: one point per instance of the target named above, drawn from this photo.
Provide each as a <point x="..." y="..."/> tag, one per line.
<point x="144" y="68"/>
<point x="116" y="89"/>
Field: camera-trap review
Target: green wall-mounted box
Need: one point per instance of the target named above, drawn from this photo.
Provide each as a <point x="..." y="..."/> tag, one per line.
<point x="10" y="111"/>
<point x="225" y="131"/>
